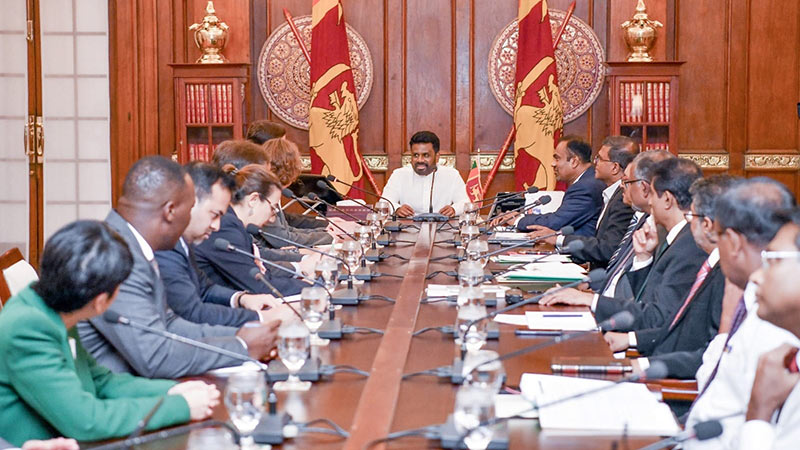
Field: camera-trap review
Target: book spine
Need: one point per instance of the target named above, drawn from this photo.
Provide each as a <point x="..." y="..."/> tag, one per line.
<point x="214" y="104"/>
<point x="666" y="102"/>
<point x="621" y="95"/>
<point x="649" y="102"/>
<point x="203" y="103"/>
<point x="229" y="103"/>
<point x="661" y="101"/>
<point x="189" y="117"/>
<point x="193" y="104"/>
<point x="627" y="102"/>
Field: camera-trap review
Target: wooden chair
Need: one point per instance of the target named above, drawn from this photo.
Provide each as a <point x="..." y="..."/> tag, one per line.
<point x="15" y="274"/>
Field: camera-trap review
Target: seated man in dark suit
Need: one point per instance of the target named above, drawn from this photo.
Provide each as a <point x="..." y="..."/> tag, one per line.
<point x="49" y="385"/>
<point x="583" y="199"/>
<point x="681" y="343"/>
<point x="189" y="291"/>
<point x="614" y="155"/>
<point x="152" y="213"/>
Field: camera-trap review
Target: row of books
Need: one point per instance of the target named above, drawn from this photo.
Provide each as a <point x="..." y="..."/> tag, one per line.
<point x="657" y="146"/>
<point x="200" y="152"/>
<point x="209" y="101"/>
<point x="636" y="99"/>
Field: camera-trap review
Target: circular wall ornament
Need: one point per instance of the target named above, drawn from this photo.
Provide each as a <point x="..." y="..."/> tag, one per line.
<point x="284" y="74"/>
<point x="579" y="58"/>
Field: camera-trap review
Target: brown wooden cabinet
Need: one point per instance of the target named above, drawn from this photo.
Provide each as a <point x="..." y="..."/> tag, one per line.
<point x="643" y="100"/>
<point x="210" y="105"/>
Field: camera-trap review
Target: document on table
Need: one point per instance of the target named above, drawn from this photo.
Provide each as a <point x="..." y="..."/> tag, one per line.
<point x="511" y="319"/>
<point x="451" y="290"/>
<point x="629" y="407"/>
<point x="516" y="258"/>
<point x="560" y="321"/>
<point x="509" y="236"/>
<point x="550" y="272"/>
<point x="223" y="372"/>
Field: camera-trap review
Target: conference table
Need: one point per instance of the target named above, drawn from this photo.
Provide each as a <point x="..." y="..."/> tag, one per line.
<point x="370" y="408"/>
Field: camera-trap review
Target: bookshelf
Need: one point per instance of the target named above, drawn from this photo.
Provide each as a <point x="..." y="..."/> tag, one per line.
<point x="643" y="99"/>
<point x="210" y="100"/>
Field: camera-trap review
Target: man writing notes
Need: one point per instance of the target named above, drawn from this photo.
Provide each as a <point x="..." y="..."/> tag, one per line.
<point x="426" y="187"/>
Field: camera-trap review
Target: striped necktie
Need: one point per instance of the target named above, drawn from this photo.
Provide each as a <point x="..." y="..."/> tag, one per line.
<point x="738" y="317"/>
<point x="702" y="274"/>
<point x="634" y="223"/>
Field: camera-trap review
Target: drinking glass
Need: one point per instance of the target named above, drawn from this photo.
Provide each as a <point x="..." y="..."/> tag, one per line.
<point x="206" y="438"/>
<point x="351" y="252"/>
<point x="477" y="250"/>
<point x="327" y="270"/>
<point x="470" y="295"/>
<point x="313" y="306"/>
<point x="364" y="235"/>
<point x="470" y="273"/>
<point x="375" y="222"/>
<point x="469" y="216"/>
<point x="468" y="233"/>
<point x="293" y="349"/>
<point x="384" y="209"/>
<point x="475" y="336"/>
<point x="474" y="406"/>
<point x="477" y="369"/>
<point x="245" y="397"/>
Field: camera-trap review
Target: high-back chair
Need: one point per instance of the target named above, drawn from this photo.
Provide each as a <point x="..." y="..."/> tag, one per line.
<point x="15" y="274"/>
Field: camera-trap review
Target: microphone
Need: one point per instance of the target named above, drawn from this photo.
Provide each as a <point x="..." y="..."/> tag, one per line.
<point x="505" y="197"/>
<point x="145" y="420"/>
<point x="255" y="272"/>
<point x="333" y="178"/>
<point x="323" y="185"/>
<point x="254" y="230"/>
<point x="430" y="199"/>
<point x="132" y="442"/>
<point x="573" y="246"/>
<point x="543" y="200"/>
<point x="289" y="194"/>
<point x="702" y="431"/>
<point x="564" y="231"/>
<point x="317" y="198"/>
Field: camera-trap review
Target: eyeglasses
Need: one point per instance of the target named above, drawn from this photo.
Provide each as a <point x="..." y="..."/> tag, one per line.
<point x="597" y="159"/>
<point x="625" y="183"/>
<point x="275" y="208"/>
<point x="769" y="259"/>
<point x="690" y="215"/>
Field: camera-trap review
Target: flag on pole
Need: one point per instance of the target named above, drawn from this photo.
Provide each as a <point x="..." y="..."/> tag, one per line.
<point x="474" y="188"/>
<point x="333" y="112"/>
<point x="538" y="115"/>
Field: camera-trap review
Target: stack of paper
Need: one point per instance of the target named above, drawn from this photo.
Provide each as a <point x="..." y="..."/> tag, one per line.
<point x="509" y="236"/>
<point x="546" y="272"/>
<point x="452" y="290"/>
<point x="625" y="408"/>
<point x="516" y="258"/>
<point x="560" y="321"/>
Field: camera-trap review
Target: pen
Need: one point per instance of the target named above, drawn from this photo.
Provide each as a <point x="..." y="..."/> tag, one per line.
<point x="537" y="333"/>
<point x="562" y="315"/>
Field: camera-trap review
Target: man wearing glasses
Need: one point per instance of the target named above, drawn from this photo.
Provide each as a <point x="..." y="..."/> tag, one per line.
<point x="746" y="220"/>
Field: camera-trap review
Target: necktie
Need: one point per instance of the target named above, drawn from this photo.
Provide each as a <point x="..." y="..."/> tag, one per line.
<point x="258" y="262"/>
<point x="698" y="281"/>
<point x="738" y="317"/>
<point x="154" y="265"/>
<point x="659" y="251"/>
<point x="791" y="361"/>
<point x="622" y="264"/>
<point x="632" y="226"/>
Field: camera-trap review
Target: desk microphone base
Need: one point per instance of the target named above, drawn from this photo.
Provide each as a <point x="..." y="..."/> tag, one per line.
<point x="450" y="436"/>
<point x="331" y="329"/>
<point x="309" y="371"/>
<point x="346" y="296"/>
<point x="270" y="429"/>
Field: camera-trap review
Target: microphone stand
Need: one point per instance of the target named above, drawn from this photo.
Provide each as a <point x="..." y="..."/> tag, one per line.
<point x="316" y="198"/>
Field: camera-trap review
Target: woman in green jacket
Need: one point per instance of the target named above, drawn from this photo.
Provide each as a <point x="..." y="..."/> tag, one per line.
<point x="49" y="385"/>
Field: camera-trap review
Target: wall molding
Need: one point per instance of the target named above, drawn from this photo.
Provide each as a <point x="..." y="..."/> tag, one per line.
<point x="771" y="161"/>
<point x="717" y="161"/>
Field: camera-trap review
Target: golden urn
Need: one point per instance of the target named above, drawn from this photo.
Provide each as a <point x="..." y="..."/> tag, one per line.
<point x="210" y="36"/>
<point x="640" y="34"/>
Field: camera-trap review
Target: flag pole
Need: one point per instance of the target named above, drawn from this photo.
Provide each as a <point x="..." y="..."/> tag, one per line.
<point x="302" y="45"/>
<point x="512" y="132"/>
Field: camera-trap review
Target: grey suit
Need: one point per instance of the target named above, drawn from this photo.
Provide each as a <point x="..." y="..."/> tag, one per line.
<point x="142" y="299"/>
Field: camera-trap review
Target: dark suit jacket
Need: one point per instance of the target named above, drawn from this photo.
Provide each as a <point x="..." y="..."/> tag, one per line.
<point x="142" y="299"/>
<point x="580" y="208"/>
<point x="664" y="285"/>
<point x="305" y="236"/>
<point x="193" y="296"/>
<point x="233" y="269"/>
<point x="597" y="249"/>
<point x="623" y="289"/>
<point x="681" y="347"/>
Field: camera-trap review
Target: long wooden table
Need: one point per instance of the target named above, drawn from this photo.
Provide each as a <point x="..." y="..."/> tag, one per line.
<point x="370" y="408"/>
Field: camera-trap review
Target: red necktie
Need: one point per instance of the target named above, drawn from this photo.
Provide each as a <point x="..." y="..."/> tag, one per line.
<point x="701" y="276"/>
<point x="258" y="262"/>
<point x="791" y="361"/>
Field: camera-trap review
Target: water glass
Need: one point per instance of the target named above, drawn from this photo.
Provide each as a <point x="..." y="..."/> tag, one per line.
<point x="481" y="368"/>
<point x="470" y="273"/>
<point x="313" y="307"/>
<point x="206" y="438"/>
<point x="375" y="223"/>
<point x="327" y="270"/>
<point x="470" y="295"/>
<point x="474" y="407"/>
<point x="293" y="349"/>
<point x="468" y="233"/>
<point x="364" y="235"/>
<point x="351" y="251"/>
<point x="384" y="209"/>
<point x="474" y="338"/>
<point x="477" y="250"/>
<point x="245" y="397"/>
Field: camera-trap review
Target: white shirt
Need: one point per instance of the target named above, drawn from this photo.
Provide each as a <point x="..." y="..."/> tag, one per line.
<point x="729" y="391"/>
<point x="607" y="194"/>
<point x="671" y="235"/>
<point x="146" y="249"/>
<point x="405" y="187"/>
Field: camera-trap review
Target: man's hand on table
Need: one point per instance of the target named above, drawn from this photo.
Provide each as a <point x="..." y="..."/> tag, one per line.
<point x="570" y="296"/>
<point x="405" y="211"/>
<point x="504" y="218"/>
<point x="448" y="211"/>
<point x="537" y="231"/>
<point x="257" y="302"/>
<point x="617" y="341"/>
<point x="201" y="397"/>
<point x="260" y="338"/>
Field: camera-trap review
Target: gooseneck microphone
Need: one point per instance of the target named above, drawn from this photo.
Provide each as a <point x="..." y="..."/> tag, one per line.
<point x="323" y="185"/>
<point x="333" y="178"/>
<point x="502" y="198"/>
<point x="541" y="201"/>
<point x="289" y="194"/>
<point x="702" y="431"/>
<point x="314" y="197"/>
<point x="255" y="231"/>
<point x="255" y="272"/>
<point x="573" y="246"/>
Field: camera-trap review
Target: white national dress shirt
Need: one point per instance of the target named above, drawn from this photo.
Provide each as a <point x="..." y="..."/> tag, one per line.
<point x="405" y="187"/>
<point x="729" y="391"/>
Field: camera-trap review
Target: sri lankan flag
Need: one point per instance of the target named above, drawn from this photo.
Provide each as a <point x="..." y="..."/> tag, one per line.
<point x="333" y="113"/>
<point x="538" y="116"/>
<point x="474" y="188"/>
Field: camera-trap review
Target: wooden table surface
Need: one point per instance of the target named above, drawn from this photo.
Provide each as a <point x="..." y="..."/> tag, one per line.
<point x="370" y="408"/>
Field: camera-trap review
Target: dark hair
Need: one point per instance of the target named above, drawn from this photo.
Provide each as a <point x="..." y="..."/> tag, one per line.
<point x="152" y="175"/>
<point x="577" y="147"/>
<point x="238" y="153"/>
<point x="252" y="178"/>
<point x="646" y="161"/>
<point x="284" y="160"/>
<point x="753" y="208"/>
<point x="205" y="175"/>
<point x="80" y="261"/>
<point x="621" y="149"/>
<point x="261" y="131"/>
<point x="706" y="191"/>
<point x="676" y="175"/>
<point x="425" y="137"/>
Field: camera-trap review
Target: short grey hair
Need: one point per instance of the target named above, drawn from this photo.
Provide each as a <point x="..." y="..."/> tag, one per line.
<point x="646" y="162"/>
<point x="706" y="191"/>
<point x="621" y="149"/>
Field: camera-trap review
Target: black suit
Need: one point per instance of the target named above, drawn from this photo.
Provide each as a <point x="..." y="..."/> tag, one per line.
<point x="681" y="347"/>
<point x="660" y="288"/>
<point x="232" y="269"/>
<point x="597" y="249"/>
<point x="193" y="296"/>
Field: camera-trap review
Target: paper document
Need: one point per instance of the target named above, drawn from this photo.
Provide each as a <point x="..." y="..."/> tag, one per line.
<point x="448" y="290"/>
<point x="223" y="372"/>
<point x="511" y="319"/>
<point x="555" y="272"/>
<point x="561" y="321"/>
<point x="630" y="407"/>
<point x="509" y="236"/>
<point x="516" y="258"/>
<point x="506" y="405"/>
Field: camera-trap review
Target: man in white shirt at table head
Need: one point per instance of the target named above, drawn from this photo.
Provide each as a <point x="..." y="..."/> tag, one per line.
<point x="425" y="186"/>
